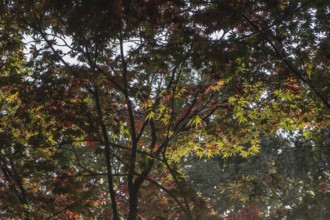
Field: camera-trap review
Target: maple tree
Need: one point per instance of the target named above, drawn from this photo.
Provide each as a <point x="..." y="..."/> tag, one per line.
<point x="100" y="114"/>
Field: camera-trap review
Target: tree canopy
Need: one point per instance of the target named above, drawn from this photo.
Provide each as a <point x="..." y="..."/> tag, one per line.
<point x="178" y="109"/>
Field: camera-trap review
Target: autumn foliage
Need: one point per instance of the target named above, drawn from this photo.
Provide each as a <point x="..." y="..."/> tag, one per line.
<point x="107" y="106"/>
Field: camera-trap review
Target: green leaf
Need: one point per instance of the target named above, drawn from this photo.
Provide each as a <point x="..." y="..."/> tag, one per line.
<point x="232" y="100"/>
<point x="196" y="121"/>
<point x="151" y="115"/>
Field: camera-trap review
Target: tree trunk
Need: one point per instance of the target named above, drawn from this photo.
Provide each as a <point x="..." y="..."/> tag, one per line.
<point x="133" y="204"/>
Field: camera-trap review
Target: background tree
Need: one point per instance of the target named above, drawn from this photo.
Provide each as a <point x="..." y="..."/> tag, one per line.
<point x="289" y="178"/>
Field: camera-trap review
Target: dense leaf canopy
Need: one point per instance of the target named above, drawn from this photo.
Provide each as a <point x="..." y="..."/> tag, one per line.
<point x="150" y="109"/>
